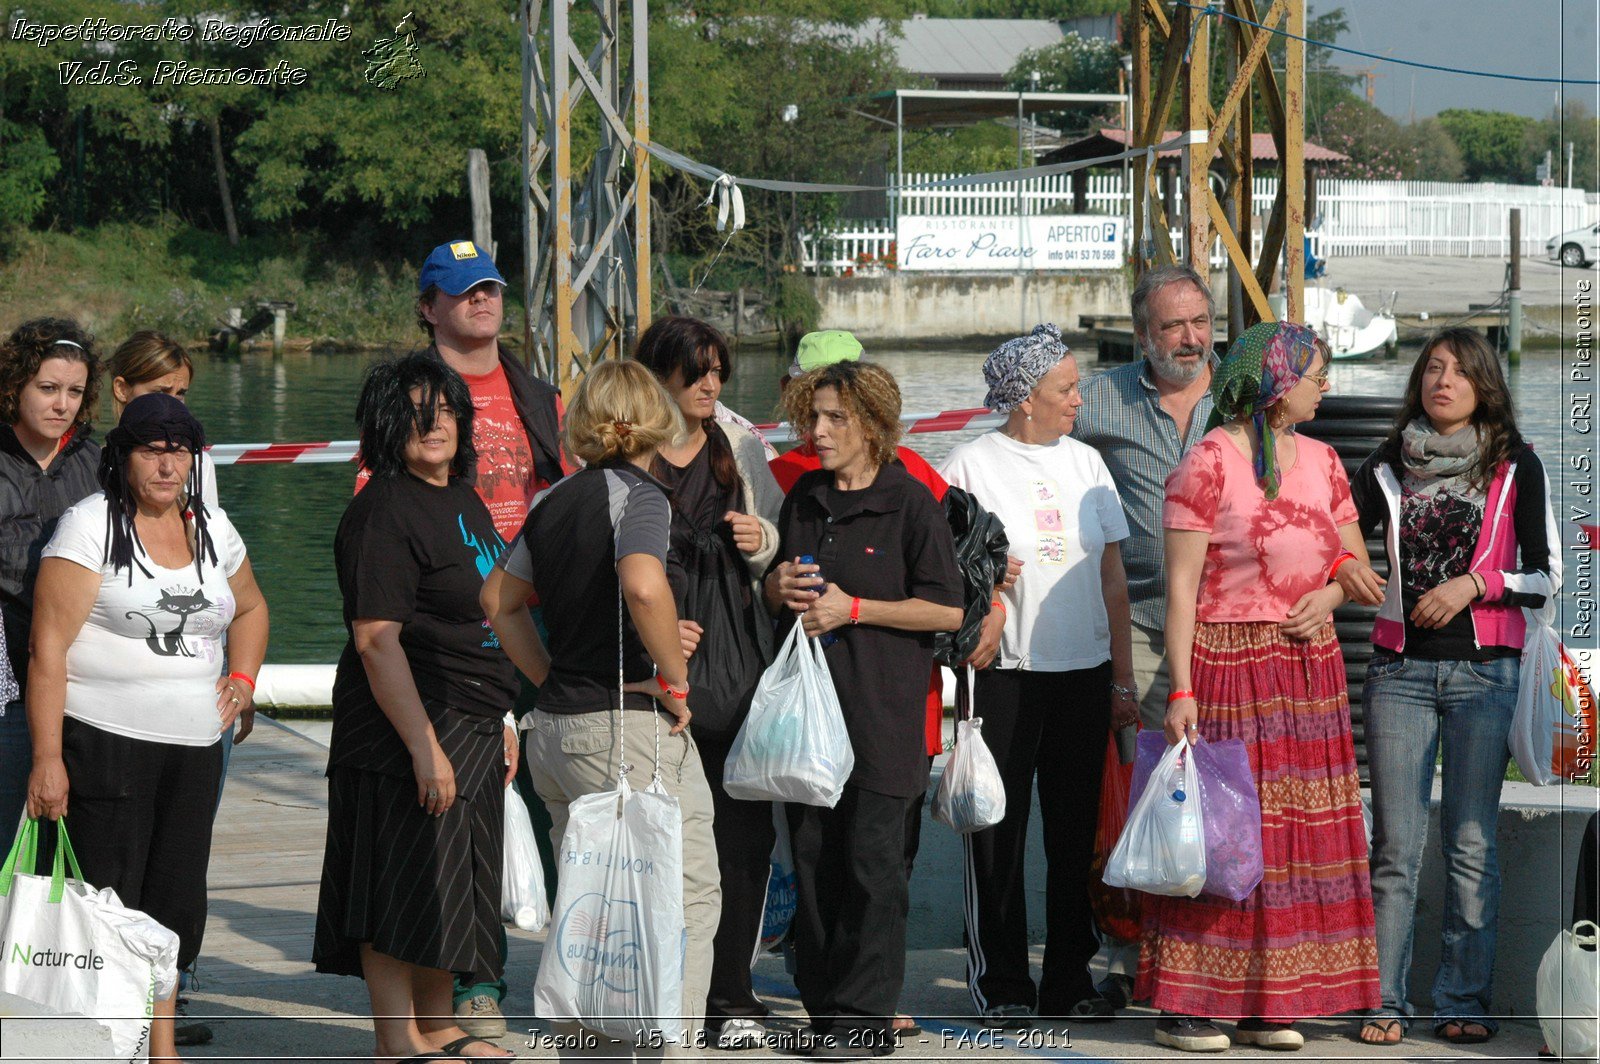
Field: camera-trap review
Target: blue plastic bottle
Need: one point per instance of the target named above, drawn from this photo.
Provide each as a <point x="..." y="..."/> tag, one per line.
<point x="805" y="559"/>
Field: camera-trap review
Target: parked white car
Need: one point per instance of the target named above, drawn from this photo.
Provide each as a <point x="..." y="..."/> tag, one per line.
<point x="1576" y="247"/>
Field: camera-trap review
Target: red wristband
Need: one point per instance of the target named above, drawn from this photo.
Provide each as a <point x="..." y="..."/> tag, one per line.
<point x="668" y="688"/>
<point x="998" y="605"/>
<point x="1174" y="696"/>
<point x="1340" y="560"/>
<point x="242" y="678"/>
<point x="855" y="611"/>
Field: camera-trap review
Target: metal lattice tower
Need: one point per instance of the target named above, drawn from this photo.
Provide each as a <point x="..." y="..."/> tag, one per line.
<point x="586" y="241"/>
<point x="1225" y="128"/>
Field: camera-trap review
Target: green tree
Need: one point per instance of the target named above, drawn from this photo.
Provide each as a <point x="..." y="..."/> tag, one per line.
<point x="1377" y="148"/>
<point x="1493" y="144"/>
<point x="1435" y="156"/>
<point x="777" y="95"/>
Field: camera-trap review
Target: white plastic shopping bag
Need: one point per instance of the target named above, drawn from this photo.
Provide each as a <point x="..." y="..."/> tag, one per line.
<point x="75" y="950"/>
<point x="793" y="745"/>
<point x="1163" y="847"/>
<point x="522" y="892"/>
<point x="614" y="957"/>
<point x="971" y="795"/>
<point x="1567" y="993"/>
<point x="1552" y="730"/>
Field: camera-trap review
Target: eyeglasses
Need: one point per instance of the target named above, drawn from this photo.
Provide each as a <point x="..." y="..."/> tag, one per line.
<point x="1319" y="379"/>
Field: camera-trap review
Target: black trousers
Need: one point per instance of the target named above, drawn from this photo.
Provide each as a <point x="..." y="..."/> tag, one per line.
<point x="1049" y="726"/>
<point x="139" y="816"/>
<point x="745" y="836"/>
<point x="850" y="920"/>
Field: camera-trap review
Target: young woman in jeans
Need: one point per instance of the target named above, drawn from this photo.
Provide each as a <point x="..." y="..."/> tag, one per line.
<point x="1466" y="508"/>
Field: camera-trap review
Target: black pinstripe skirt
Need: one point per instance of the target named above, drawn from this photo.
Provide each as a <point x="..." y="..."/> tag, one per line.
<point x="420" y="888"/>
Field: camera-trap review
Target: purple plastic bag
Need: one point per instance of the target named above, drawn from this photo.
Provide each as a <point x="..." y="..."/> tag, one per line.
<point x="1229" y="806"/>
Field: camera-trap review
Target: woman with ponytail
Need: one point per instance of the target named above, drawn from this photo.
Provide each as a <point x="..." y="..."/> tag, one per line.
<point x="139" y="590"/>
<point x="607" y="585"/>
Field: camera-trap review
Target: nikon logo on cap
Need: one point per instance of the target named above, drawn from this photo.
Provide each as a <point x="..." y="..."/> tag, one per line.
<point x="464" y="249"/>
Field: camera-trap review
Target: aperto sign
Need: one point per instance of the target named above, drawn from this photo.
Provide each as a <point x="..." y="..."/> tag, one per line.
<point x="1043" y="242"/>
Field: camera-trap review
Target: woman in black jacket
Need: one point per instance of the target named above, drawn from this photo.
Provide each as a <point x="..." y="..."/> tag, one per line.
<point x="49" y="380"/>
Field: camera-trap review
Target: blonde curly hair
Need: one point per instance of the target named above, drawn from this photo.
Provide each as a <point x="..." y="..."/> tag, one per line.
<point x="867" y="390"/>
<point x="620" y="412"/>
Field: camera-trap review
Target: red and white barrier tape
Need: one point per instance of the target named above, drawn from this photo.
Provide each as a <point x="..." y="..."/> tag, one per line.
<point x="345" y="450"/>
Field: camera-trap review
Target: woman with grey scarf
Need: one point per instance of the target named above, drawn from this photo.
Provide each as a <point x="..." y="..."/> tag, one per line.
<point x="1465" y="504"/>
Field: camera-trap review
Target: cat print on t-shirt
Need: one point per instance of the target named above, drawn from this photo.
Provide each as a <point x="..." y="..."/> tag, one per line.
<point x="175" y="602"/>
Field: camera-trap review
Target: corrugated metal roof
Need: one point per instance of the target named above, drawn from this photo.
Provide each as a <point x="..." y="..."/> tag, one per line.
<point x="971" y="47"/>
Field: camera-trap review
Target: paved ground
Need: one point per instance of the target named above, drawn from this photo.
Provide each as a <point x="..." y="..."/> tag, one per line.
<point x="258" y="992"/>
<point x="1440" y="285"/>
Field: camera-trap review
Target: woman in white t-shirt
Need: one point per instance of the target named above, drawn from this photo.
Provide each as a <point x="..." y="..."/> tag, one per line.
<point x="136" y="596"/>
<point x="1056" y="673"/>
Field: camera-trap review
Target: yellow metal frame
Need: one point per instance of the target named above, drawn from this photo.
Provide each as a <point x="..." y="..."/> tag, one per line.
<point x="1223" y="131"/>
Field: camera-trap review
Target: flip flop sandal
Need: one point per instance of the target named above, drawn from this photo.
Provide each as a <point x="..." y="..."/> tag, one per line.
<point x="454" y="1049"/>
<point x="1389" y="1026"/>
<point x="1459" y="1035"/>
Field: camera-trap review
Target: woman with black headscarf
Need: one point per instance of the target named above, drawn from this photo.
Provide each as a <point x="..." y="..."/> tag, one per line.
<point x="139" y="592"/>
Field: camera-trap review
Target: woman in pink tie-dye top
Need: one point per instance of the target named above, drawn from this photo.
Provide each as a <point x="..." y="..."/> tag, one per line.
<point x="1255" y="518"/>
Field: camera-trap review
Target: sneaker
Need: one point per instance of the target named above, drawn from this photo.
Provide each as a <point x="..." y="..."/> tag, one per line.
<point x="185" y="1033"/>
<point x="1190" y="1034"/>
<point x="1267" y="1035"/>
<point x="1004" y="1016"/>
<point x="480" y="1017"/>
<point x="740" y="1033"/>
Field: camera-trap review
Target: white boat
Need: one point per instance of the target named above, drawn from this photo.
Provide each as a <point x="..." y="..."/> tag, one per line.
<point x="1351" y="330"/>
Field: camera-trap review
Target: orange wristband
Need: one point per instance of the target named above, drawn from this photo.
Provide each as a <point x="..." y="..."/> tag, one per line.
<point x="242" y="678"/>
<point x="855" y="611"/>
<point x="1340" y="560"/>
<point x="1176" y="695"/>
<point x="998" y="605"/>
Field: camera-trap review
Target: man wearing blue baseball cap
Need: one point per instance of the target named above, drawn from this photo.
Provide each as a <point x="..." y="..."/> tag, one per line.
<point x="516" y="432"/>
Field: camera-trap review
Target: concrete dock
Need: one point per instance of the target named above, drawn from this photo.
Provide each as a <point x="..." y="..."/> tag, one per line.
<point x="258" y="993"/>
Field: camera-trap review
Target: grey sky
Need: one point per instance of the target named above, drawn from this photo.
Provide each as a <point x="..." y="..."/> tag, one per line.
<point x="1528" y="37"/>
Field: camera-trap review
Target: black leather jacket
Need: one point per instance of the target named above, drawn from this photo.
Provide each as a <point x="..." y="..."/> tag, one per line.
<point x="31" y="500"/>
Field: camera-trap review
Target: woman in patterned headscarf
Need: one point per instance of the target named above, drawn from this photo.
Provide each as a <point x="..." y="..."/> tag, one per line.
<point x="1059" y="677"/>
<point x="1258" y="519"/>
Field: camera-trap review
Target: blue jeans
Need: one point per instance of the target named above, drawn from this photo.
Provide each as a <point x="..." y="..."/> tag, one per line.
<point x="1414" y="710"/>
<point x="16" y="763"/>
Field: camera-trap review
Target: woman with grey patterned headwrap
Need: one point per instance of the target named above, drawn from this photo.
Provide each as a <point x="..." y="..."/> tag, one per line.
<point x="1055" y="675"/>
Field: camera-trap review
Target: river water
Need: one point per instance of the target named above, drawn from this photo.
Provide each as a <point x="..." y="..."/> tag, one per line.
<point x="287" y="514"/>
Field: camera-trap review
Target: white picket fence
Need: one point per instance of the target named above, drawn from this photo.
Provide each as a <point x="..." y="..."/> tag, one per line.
<point x="1355" y="217"/>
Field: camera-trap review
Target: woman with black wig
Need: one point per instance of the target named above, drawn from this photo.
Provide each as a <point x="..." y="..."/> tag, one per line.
<point x="419" y="757"/>
<point x="139" y="590"/>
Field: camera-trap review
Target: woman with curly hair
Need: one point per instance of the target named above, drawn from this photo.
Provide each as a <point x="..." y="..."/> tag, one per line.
<point x="889" y="581"/>
<point x="1469" y="530"/>
<point x="420" y="757"/>
<point x="49" y="380"/>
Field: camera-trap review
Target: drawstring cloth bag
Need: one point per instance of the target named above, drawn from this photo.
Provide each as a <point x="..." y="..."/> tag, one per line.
<point x="613" y="960"/>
